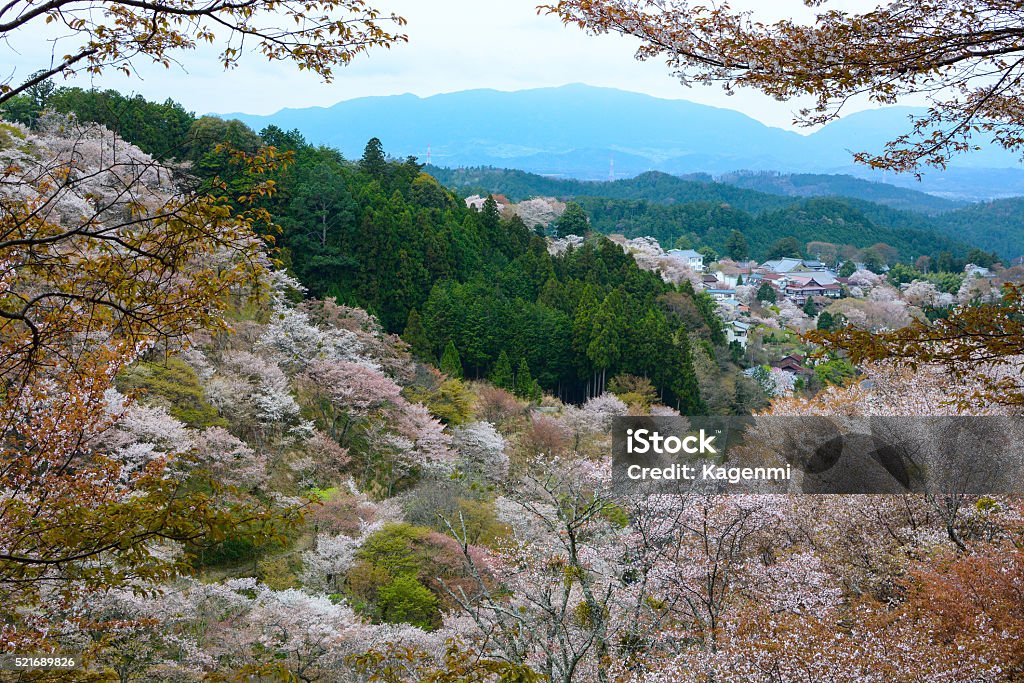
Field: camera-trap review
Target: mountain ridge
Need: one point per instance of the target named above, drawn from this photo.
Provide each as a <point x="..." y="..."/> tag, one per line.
<point x="580" y="131"/>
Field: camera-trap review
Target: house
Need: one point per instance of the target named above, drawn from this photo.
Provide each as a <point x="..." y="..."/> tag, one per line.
<point x="973" y="270"/>
<point x="783" y="265"/>
<point x="794" y="265"/>
<point x="774" y="279"/>
<point x="722" y="294"/>
<point x="690" y="258"/>
<point x="799" y="289"/>
<point x="732" y="275"/>
<point x="737" y="331"/>
<point x="793" y="363"/>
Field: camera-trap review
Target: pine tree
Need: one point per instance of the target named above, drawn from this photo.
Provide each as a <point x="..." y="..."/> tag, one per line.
<point x="416" y="337"/>
<point x="524" y="381"/>
<point x="501" y="375"/>
<point x="373" y="161"/>
<point x="451" y="365"/>
<point x="736" y="246"/>
<point x="810" y="308"/>
<point x="766" y="294"/>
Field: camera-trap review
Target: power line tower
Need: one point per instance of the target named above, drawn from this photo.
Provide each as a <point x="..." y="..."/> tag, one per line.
<point x="428" y="154"/>
<point x="611" y="170"/>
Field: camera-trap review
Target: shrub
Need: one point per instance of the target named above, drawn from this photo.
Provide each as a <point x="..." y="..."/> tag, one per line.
<point x="174" y="385"/>
<point x="452" y="402"/>
<point x="439" y="500"/>
<point x="406" y="600"/>
<point x="392" y="562"/>
<point x="496" y="405"/>
<point x="634" y="391"/>
<point x="342" y="513"/>
<point x="275" y="573"/>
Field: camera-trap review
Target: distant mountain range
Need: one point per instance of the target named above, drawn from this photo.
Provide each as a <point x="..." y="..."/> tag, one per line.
<point x="579" y="131"/>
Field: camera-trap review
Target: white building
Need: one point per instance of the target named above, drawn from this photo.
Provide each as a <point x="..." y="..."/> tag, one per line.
<point x="693" y="260"/>
<point x="737" y="331"/>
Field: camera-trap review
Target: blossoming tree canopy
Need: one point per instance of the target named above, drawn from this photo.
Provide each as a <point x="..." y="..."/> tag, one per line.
<point x="316" y="36"/>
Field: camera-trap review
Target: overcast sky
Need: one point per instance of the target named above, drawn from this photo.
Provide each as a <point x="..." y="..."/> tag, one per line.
<point x="453" y="45"/>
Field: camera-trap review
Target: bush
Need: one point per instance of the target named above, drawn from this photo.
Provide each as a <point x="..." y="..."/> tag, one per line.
<point x="342" y="513"/>
<point x="634" y="391"/>
<point x="447" y="499"/>
<point x="406" y="600"/>
<point x="452" y="402"/>
<point x="174" y="385"/>
<point x="496" y="405"/>
<point x="391" y="564"/>
<point x="275" y="573"/>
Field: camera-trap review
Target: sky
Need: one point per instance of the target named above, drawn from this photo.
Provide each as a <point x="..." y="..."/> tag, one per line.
<point x="453" y="45"/>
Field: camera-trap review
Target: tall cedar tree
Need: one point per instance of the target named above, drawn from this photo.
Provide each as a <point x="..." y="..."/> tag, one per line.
<point x="501" y="376"/>
<point x="451" y="365"/>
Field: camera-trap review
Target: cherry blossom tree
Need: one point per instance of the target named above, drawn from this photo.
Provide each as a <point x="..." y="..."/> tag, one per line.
<point x="230" y="460"/>
<point x="482" y="450"/>
<point x="342" y="391"/>
<point x="253" y="393"/>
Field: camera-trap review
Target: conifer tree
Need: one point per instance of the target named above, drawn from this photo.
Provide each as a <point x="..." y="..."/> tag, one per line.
<point x="373" y="161"/>
<point x="451" y="365"/>
<point x="501" y="375"/>
<point x="736" y="246"/>
<point x="766" y="294"/>
<point x="524" y="386"/>
<point x="416" y="336"/>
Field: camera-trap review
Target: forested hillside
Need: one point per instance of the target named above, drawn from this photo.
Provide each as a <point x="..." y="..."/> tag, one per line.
<point x="832" y="220"/>
<point x="766" y="207"/>
<point x="287" y="493"/>
<point x="383" y="235"/>
<point x="653" y="186"/>
<point x="823" y="185"/>
<point x="998" y="225"/>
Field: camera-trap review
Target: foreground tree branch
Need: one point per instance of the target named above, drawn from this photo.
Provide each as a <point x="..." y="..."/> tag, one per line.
<point x="964" y="56"/>
<point x="316" y="36"/>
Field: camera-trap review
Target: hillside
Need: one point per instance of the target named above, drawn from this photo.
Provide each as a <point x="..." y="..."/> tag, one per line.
<point x="747" y="190"/>
<point x="653" y="186"/>
<point x="993" y="226"/>
<point x="821" y="219"/>
<point x="824" y="185"/>
<point x="806" y="206"/>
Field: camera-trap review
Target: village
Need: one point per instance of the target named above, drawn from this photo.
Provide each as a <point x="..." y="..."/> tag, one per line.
<point x="767" y="307"/>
